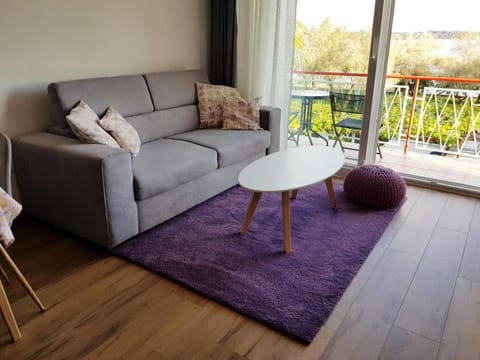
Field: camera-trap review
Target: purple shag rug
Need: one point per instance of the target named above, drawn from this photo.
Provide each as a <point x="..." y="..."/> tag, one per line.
<point x="294" y="294"/>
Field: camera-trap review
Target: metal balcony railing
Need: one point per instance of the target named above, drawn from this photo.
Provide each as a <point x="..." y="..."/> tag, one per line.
<point x="449" y="121"/>
<point x="445" y="120"/>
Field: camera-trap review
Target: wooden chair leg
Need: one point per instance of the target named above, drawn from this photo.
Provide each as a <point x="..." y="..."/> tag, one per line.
<point x="22" y="279"/>
<point x="7" y="313"/>
<point x="4" y="274"/>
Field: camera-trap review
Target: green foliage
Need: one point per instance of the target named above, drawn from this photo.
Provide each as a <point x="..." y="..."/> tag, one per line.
<point x="463" y="62"/>
<point x="326" y="48"/>
<point x="330" y="48"/>
<point x="413" y="54"/>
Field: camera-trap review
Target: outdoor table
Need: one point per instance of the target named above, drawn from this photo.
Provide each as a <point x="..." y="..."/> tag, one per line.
<point x="307" y="98"/>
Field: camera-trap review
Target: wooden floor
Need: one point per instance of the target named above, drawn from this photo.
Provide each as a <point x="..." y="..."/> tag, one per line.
<point x="416" y="297"/>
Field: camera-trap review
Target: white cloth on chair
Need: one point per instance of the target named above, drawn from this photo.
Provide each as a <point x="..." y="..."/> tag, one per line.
<point x="9" y="210"/>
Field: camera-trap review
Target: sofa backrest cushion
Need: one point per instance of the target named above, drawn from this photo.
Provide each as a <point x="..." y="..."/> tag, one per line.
<point x="174" y="88"/>
<point x="163" y="123"/>
<point x="129" y="95"/>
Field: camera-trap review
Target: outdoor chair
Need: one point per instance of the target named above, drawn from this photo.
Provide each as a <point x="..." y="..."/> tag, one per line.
<point x="347" y="114"/>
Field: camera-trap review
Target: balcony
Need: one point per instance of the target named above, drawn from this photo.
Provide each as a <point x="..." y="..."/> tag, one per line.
<point x="427" y="131"/>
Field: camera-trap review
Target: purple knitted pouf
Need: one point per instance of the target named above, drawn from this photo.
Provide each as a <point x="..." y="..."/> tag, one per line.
<point x="375" y="186"/>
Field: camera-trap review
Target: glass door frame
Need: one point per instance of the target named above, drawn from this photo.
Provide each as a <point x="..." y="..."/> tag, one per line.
<point x="377" y="71"/>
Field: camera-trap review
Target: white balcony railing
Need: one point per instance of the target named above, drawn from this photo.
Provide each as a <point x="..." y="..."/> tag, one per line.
<point x="443" y="120"/>
<point x="449" y="121"/>
<point x="394" y="113"/>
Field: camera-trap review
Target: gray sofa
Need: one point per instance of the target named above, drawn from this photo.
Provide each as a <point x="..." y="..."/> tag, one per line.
<point x="103" y="194"/>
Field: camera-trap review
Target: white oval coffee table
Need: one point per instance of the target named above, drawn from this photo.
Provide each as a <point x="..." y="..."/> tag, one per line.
<point x="287" y="171"/>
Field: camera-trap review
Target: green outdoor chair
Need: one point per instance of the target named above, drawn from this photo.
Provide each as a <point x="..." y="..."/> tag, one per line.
<point x="347" y="113"/>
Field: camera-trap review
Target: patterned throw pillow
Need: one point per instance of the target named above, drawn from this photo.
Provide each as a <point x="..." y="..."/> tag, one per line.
<point x="240" y="114"/>
<point x="121" y="130"/>
<point x="211" y="99"/>
<point x="84" y="123"/>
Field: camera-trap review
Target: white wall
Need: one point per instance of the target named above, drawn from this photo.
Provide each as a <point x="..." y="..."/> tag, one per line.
<point x="42" y="41"/>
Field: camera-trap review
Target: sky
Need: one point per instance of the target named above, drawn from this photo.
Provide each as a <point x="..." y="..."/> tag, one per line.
<point x="410" y="15"/>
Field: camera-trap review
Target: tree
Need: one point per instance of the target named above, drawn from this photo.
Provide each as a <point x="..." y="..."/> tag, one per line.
<point x="301" y="35"/>
<point x="414" y="54"/>
<point x="329" y="48"/>
<point x="333" y="48"/>
<point x="462" y="60"/>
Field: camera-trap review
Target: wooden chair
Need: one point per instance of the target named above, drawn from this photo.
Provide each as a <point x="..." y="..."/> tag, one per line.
<point x="5" y="308"/>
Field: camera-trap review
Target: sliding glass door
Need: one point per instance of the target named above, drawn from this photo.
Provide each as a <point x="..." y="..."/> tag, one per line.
<point x="434" y="58"/>
<point x="341" y="47"/>
<point x="416" y="63"/>
<point x="332" y="51"/>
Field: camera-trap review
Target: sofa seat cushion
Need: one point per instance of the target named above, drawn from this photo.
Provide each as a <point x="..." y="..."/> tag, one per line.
<point x="232" y="146"/>
<point x="165" y="164"/>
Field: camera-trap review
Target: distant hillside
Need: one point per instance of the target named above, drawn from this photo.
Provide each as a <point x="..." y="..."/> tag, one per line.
<point x="443" y="35"/>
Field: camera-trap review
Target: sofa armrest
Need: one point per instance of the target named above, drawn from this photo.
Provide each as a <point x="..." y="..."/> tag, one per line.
<point x="270" y="120"/>
<point x="84" y="188"/>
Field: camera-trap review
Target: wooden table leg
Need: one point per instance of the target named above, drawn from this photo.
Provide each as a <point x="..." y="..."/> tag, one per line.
<point x="7" y="313"/>
<point x="294" y="194"/>
<point x="286" y="221"/>
<point x="21" y="278"/>
<point x="331" y="193"/>
<point x="251" y="209"/>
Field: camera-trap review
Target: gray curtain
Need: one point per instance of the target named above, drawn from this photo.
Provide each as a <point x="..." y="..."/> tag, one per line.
<point x="223" y="40"/>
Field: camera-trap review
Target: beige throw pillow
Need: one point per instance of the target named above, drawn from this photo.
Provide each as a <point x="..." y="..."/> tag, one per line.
<point x="240" y="114"/>
<point x="84" y="123"/>
<point x="211" y="99"/>
<point x="121" y="130"/>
